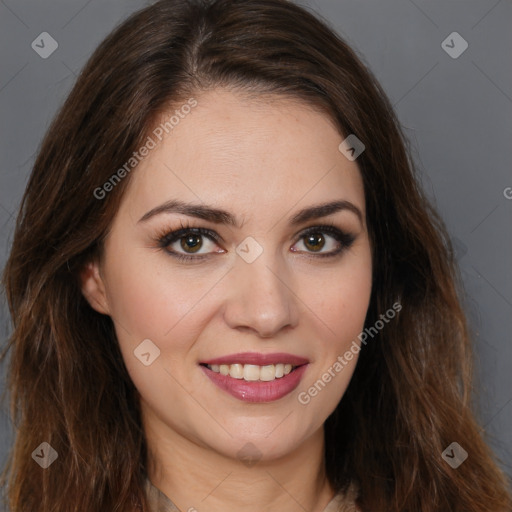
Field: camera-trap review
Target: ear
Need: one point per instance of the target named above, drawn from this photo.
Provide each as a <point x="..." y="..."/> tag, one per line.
<point x="93" y="287"/>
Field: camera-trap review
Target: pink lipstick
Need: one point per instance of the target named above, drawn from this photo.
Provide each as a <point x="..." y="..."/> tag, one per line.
<point x="254" y="377"/>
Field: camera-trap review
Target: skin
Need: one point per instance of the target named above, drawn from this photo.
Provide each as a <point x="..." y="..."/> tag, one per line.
<point x="262" y="159"/>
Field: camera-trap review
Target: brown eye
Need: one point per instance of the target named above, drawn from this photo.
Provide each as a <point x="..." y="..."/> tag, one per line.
<point x="328" y="237"/>
<point x="192" y="242"/>
<point x="315" y="241"/>
<point x="186" y="242"/>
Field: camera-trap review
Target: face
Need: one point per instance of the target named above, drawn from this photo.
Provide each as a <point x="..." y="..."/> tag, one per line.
<point x="209" y="320"/>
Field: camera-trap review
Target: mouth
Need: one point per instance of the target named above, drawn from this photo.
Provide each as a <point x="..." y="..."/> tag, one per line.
<point x="253" y="377"/>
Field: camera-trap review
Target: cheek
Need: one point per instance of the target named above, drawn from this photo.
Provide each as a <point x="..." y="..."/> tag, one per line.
<point x="144" y="298"/>
<point x="344" y="302"/>
<point x="149" y="304"/>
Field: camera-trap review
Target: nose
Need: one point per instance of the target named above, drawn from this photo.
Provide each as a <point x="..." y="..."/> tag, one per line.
<point x="261" y="297"/>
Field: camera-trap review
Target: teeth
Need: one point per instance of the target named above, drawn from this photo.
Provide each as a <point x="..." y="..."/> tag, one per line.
<point x="267" y="373"/>
<point x="252" y="372"/>
<point x="236" y="371"/>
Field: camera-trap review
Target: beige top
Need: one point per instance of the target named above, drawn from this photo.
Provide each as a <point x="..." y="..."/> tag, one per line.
<point x="159" y="502"/>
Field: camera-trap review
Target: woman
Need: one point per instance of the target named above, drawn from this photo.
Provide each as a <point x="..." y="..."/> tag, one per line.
<point x="228" y="291"/>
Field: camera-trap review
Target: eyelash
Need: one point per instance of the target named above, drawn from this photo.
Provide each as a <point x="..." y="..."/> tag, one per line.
<point x="165" y="238"/>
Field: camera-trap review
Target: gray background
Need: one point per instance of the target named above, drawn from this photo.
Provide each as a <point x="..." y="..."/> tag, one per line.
<point x="457" y="113"/>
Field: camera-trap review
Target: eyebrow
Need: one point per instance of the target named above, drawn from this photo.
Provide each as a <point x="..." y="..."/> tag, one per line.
<point x="219" y="216"/>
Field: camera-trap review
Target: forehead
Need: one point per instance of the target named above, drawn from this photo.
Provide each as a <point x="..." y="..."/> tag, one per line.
<point x="248" y="152"/>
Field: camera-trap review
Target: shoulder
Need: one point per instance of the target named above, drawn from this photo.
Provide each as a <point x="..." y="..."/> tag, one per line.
<point x="157" y="500"/>
<point x="345" y="501"/>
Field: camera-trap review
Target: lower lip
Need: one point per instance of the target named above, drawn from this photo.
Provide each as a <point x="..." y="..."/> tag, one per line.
<point x="257" y="391"/>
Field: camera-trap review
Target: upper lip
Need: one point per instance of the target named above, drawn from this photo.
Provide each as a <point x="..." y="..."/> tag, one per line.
<point x="258" y="359"/>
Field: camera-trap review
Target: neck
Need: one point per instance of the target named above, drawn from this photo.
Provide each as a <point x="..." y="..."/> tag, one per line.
<point x="198" y="478"/>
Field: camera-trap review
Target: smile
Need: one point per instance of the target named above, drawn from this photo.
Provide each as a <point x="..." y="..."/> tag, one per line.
<point x="253" y="377"/>
<point x="252" y="372"/>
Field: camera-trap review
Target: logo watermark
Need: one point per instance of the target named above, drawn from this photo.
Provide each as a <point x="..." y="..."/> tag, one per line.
<point x="45" y="455"/>
<point x="454" y="455"/>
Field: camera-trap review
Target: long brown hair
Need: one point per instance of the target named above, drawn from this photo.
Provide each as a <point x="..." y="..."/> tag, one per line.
<point x="410" y="395"/>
